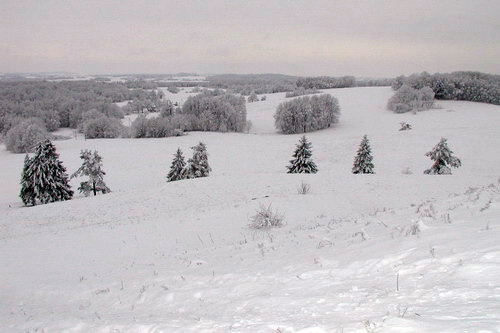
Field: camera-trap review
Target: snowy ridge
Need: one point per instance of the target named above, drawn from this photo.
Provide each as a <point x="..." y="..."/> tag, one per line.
<point x="153" y="256"/>
<point x="326" y="274"/>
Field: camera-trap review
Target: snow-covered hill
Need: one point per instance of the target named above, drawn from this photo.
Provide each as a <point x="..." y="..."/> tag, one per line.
<point x="389" y="252"/>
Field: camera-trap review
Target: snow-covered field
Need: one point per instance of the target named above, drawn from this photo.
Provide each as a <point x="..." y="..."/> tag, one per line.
<point x="389" y="252"/>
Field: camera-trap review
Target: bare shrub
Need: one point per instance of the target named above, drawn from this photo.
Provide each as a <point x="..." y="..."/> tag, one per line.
<point x="248" y="126"/>
<point x="446" y="218"/>
<point x="303" y="188"/>
<point x="406" y="171"/>
<point x="413" y="230"/>
<point x="266" y="218"/>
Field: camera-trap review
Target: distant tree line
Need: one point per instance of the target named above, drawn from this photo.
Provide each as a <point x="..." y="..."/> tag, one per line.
<point x="326" y="82"/>
<point x="60" y="104"/>
<point x="329" y="82"/>
<point x="465" y="86"/>
<point x="301" y="91"/>
<point x="245" y="84"/>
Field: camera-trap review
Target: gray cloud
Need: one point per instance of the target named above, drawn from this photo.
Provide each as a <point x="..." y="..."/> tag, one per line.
<point x="372" y="38"/>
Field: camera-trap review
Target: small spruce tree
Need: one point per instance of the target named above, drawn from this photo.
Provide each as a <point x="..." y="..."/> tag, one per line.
<point x="44" y="177"/>
<point x="198" y="164"/>
<point x="302" y="161"/>
<point x="27" y="185"/>
<point x="177" y="169"/>
<point x="92" y="168"/>
<point x="443" y="159"/>
<point x="363" y="160"/>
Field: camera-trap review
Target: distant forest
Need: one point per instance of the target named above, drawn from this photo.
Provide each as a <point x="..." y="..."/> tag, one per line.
<point x="69" y="103"/>
<point x="62" y="103"/>
<point x="463" y="86"/>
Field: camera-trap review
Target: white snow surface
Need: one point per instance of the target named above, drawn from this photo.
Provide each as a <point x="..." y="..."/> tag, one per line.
<point x="389" y="252"/>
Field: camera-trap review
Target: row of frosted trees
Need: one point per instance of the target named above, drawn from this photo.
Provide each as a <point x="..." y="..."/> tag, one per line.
<point x="196" y="167"/>
<point x="441" y="154"/>
<point x="44" y="178"/>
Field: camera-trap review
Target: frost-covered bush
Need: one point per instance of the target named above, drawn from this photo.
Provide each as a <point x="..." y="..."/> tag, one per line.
<point x="308" y="113"/>
<point x="166" y="108"/>
<point x="266" y="218"/>
<point x="426" y="96"/>
<point x="101" y="126"/>
<point x="409" y="99"/>
<point x="159" y="127"/>
<point x="215" y="111"/>
<point x="303" y="188"/>
<point x="253" y="97"/>
<point x="23" y="137"/>
<point x="404" y="126"/>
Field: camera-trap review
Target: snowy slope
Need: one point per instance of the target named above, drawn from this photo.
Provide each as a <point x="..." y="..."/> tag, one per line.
<point x="178" y="257"/>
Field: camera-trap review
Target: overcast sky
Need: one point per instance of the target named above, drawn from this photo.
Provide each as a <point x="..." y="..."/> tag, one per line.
<point x="347" y="37"/>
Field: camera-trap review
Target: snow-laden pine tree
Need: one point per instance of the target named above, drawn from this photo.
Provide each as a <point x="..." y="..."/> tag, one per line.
<point x="27" y="185"/>
<point x="91" y="168"/>
<point x="302" y="158"/>
<point x="363" y="160"/>
<point x="198" y="164"/>
<point x="443" y="159"/>
<point x="44" y="177"/>
<point x="177" y="169"/>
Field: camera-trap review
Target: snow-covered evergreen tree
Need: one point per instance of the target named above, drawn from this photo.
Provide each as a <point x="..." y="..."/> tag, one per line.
<point x="443" y="159"/>
<point x="363" y="161"/>
<point x="177" y="169"/>
<point x="27" y="185"/>
<point x="302" y="161"/>
<point x="91" y="168"/>
<point x="198" y="164"/>
<point x="44" y="177"/>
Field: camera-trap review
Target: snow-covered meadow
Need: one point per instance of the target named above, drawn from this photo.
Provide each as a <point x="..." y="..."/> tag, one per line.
<point x="389" y="252"/>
